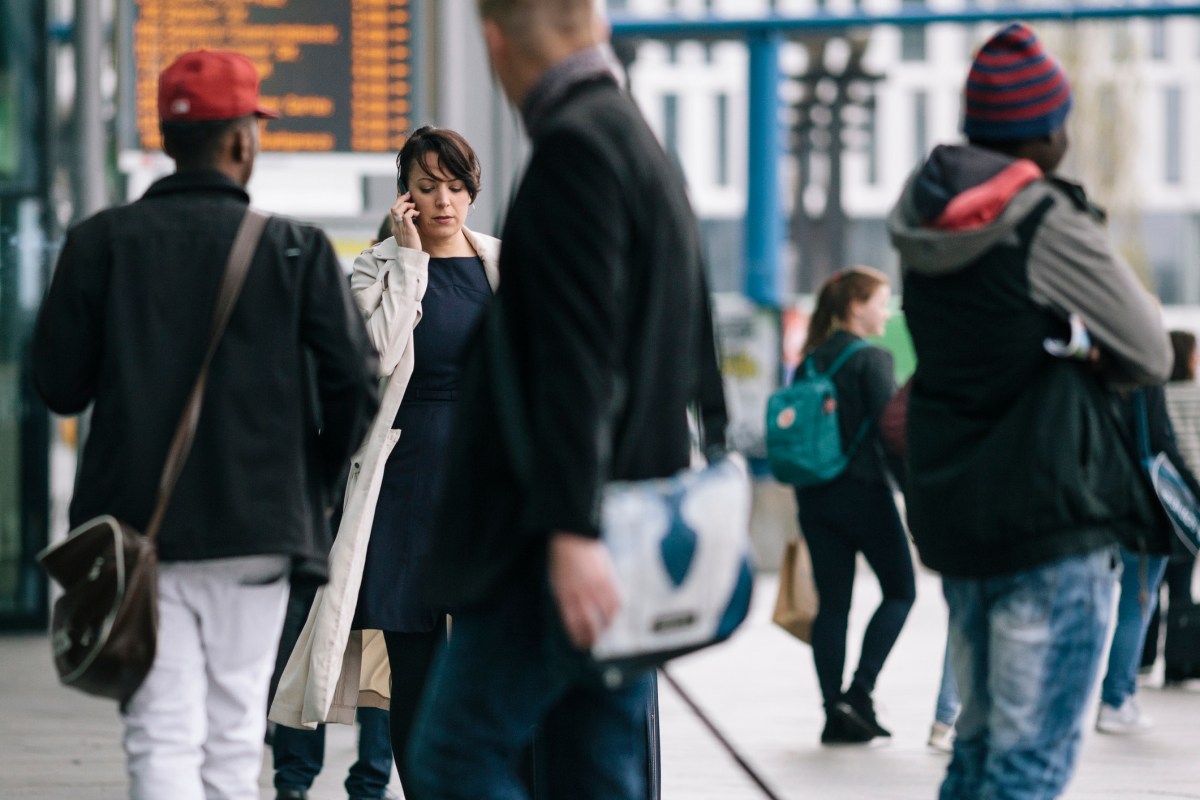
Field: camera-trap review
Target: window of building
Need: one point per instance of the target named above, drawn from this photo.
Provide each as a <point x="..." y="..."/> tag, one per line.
<point x="1173" y="135"/>
<point x="870" y="127"/>
<point x="722" y="139"/>
<point x="912" y="37"/>
<point x="671" y="124"/>
<point x="1158" y="39"/>
<point x="920" y="126"/>
<point x="1107" y="120"/>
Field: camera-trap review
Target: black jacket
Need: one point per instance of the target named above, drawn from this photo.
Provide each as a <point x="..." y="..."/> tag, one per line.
<point x="1016" y="458"/>
<point x="607" y="311"/>
<point x="864" y="385"/>
<point x="124" y="327"/>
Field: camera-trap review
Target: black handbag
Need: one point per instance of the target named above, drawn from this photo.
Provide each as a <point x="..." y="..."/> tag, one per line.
<point x="104" y="627"/>
<point x="1172" y="490"/>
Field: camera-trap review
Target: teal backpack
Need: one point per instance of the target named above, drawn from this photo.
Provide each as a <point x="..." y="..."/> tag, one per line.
<point x="804" y="442"/>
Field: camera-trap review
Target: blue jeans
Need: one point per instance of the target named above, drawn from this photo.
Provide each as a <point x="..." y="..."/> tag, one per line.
<point x="300" y="754"/>
<point x="947" y="707"/>
<point x="506" y="670"/>
<point x="1026" y="648"/>
<point x="1133" y="617"/>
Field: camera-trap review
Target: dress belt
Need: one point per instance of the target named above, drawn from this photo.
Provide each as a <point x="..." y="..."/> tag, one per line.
<point x="431" y="394"/>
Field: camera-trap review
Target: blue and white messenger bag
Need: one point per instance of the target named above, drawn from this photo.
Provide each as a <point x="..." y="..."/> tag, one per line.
<point x="679" y="546"/>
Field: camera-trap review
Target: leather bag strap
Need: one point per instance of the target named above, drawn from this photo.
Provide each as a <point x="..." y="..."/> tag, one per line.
<point x="244" y="244"/>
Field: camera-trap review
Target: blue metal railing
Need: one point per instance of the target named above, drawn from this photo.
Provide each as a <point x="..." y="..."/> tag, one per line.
<point x="719" y="27"/>
<point x="763" y="36"/>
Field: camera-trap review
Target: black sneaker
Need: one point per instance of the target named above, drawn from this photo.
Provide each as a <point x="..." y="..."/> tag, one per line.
<point x="858" y="705"/>
<point x="841" y="727"/>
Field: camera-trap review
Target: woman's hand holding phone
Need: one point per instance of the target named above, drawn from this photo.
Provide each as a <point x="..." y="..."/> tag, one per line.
<point x="403" y="222"/>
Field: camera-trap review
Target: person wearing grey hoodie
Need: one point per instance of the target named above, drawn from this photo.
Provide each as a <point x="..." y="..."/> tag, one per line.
<point x="1021" y="480"/>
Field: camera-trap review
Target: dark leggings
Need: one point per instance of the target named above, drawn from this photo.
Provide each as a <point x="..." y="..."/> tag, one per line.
<point x="411" y="658"/>
<point x="840" y="520"/>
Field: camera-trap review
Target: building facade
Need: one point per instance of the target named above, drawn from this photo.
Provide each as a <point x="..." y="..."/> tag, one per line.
<point x="877" y="100"/>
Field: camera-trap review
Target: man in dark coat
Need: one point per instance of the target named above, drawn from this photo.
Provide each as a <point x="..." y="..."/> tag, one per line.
<point x="289" y="395"/>
<point x="604" y="307"/>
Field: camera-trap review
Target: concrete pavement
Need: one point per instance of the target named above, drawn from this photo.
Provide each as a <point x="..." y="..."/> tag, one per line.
<point x="759" y="688"/>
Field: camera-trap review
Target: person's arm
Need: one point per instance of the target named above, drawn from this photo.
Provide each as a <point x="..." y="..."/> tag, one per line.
<point x="332" y="329"/>
<point x="568" y="305"/>
<point x="68" y="338"/>
<point x="877" y="381"/>
<point x="1073" y="267"/>
<point x="388" y="283"/>
<point x="567" y="300"/>
<point x="877" y="385"/>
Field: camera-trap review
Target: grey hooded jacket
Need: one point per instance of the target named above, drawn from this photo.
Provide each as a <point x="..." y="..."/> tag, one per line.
<point x="1016" y="457"/>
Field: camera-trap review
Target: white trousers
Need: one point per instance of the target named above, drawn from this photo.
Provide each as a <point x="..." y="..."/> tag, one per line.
<point x="194" y="730"/>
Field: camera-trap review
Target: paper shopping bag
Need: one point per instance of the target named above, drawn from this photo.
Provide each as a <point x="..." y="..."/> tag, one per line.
<point x="796" y="603"/>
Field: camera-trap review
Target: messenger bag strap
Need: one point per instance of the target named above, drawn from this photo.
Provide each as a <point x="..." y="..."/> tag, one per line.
<point x="236" y="267"/>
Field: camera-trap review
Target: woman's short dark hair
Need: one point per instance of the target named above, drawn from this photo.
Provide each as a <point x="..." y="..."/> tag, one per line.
<point x="450" y="151"/>
<point x="1184" y="345"/>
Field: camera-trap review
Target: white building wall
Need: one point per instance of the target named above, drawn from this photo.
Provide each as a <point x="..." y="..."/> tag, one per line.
<point x="696" y="79"/>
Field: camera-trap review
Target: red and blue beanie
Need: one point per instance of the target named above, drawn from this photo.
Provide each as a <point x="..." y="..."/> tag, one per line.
<point x="1015" y="89"/>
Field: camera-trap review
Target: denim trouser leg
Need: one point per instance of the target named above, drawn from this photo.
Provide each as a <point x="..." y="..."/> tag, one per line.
<point x="298" y="756"/>
<point x="505" y="670"/>
<point x="1026" y="648"/>
<point x="369" y="775"/>
<point x="1120" y="680"/>
<point x="947" y="700"/>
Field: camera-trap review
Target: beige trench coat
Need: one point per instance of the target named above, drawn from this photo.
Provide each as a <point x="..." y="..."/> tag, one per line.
<point x="333" y="669"/>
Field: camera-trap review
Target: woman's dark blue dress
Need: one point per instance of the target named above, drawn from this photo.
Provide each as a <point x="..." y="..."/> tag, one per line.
<point x="391" y="596"/>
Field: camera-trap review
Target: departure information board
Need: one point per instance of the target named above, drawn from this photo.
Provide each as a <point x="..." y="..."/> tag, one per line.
<point x="338" y="71"/>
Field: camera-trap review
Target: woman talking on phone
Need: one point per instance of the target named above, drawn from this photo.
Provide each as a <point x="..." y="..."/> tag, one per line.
<point x="452" y="272"/>
<point x="855" y="512"/>
<point x="423" y="292"/>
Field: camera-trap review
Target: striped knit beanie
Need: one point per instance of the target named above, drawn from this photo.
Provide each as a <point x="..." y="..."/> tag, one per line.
<point x="1015" y="89"/>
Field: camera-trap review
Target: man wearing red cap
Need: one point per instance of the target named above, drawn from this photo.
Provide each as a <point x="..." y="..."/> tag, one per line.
<point x="1019" y="483"/>
<point x="290" y="392"/>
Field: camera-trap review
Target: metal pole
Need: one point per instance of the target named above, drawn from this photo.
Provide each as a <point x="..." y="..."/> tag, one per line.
<point x="91" y="194"/>
<point x="764" y="218"/>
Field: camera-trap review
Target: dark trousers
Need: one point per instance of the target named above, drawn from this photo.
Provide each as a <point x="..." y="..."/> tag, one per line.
<point x="411" y="657"/>
<point x="839" y="520"/>
<point x="506" y="671"/>
<point x="1178" y="585"/>
<point x="299" y="754"/>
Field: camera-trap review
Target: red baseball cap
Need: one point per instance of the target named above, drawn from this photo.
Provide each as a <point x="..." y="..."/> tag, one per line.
<point x="209" y="85"/>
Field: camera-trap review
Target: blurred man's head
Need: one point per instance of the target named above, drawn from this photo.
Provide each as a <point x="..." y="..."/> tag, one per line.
<point x="525" y="38"/>
<point x="1017" y="98"/>
<point x="208" y="111"/>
